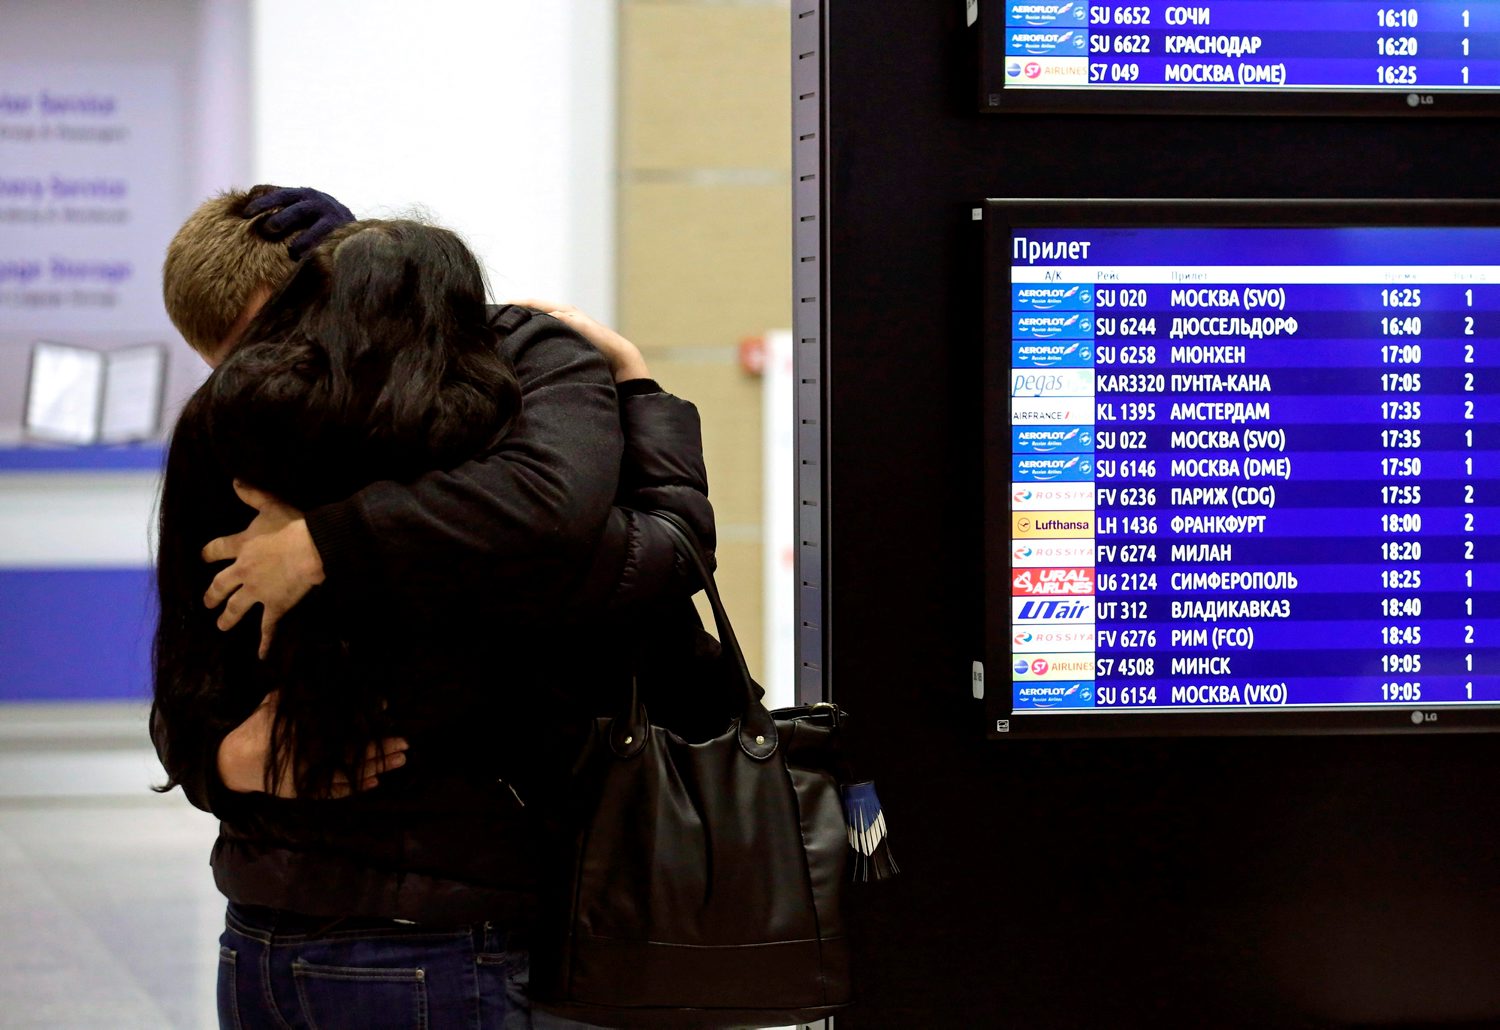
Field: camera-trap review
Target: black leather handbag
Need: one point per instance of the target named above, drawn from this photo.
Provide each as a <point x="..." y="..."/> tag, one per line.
<point x="703" y="878"/>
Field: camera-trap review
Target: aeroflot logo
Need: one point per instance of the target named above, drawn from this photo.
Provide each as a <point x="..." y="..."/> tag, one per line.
<point x="1019" y="13"/>
<point x="1041" y="327"/>
<point x="1045" y="298"/>
<point x="1078" y="694"/>
<point x="1052" y="582"/>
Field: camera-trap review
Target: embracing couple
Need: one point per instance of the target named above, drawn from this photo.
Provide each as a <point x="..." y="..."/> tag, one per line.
<point x="402" y="557"/>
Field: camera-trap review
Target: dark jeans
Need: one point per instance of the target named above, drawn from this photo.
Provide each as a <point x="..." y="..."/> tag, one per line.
<point x="279" y="971"/>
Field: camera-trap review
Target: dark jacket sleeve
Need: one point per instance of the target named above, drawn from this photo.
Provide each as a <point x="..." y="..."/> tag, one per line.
<point x="516" y="528"/>
<point x="662" y="470"/>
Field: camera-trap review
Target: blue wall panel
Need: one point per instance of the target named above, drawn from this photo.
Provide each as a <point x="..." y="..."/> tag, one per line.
<point x="76" y="634"/>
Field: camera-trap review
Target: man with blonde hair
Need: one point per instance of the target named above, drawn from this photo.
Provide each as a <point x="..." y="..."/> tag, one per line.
<point x="532" y="530"/>
<point x="232" y="254"/>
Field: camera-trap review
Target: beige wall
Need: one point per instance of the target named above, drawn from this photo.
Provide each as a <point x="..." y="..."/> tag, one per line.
<point x="705" y="236"/>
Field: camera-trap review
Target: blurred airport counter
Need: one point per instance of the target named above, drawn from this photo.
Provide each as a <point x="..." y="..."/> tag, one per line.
<point x="75" y="571"/>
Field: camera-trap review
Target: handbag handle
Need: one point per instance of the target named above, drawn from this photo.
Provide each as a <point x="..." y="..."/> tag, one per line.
<point x="757" y="728"/>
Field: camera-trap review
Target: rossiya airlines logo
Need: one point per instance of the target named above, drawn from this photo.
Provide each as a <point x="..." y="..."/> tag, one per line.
<point x="1053" y="554"/>
<point x="1052" y="582"/>
<point x="1055" y="638"/>
<point x="1052" y="496"/>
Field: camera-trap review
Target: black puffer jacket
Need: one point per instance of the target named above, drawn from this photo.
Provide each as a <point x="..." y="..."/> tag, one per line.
<point x="489" y="602"/>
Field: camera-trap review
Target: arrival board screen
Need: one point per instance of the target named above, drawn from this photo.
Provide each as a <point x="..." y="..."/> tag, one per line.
<point x="1385" y="56"/>
<point x="1248" y="469"/>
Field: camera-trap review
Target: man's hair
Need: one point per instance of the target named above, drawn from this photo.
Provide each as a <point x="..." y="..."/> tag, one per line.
<point x="215" y="264"/>
<point x="375" y="361"/>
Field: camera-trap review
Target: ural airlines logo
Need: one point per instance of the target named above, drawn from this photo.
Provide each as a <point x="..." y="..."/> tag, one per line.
<point x="1052" y="582"/>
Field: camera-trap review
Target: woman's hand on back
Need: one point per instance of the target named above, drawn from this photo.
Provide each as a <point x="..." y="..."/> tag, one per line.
<point x="624" y="357"/>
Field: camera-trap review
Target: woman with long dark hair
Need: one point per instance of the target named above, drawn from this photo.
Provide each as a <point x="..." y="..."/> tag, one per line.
<point x="405" y="904"/>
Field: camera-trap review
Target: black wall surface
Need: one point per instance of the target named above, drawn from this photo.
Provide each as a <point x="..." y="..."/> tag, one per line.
<point x="1267" y="882"/>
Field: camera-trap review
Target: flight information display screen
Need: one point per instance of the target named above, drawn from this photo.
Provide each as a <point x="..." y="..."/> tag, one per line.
<point x="1246" y="468"/>
<point x="1437" y="56"/>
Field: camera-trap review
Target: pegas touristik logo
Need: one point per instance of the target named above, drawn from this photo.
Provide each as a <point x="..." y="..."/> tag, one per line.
<point x="1066" y="382"/>
<point x="1041" y="582"/>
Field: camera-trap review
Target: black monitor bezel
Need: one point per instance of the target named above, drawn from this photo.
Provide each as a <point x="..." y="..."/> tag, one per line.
<point x="1000" y="217"/>
<point x="1395" y="102"/>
